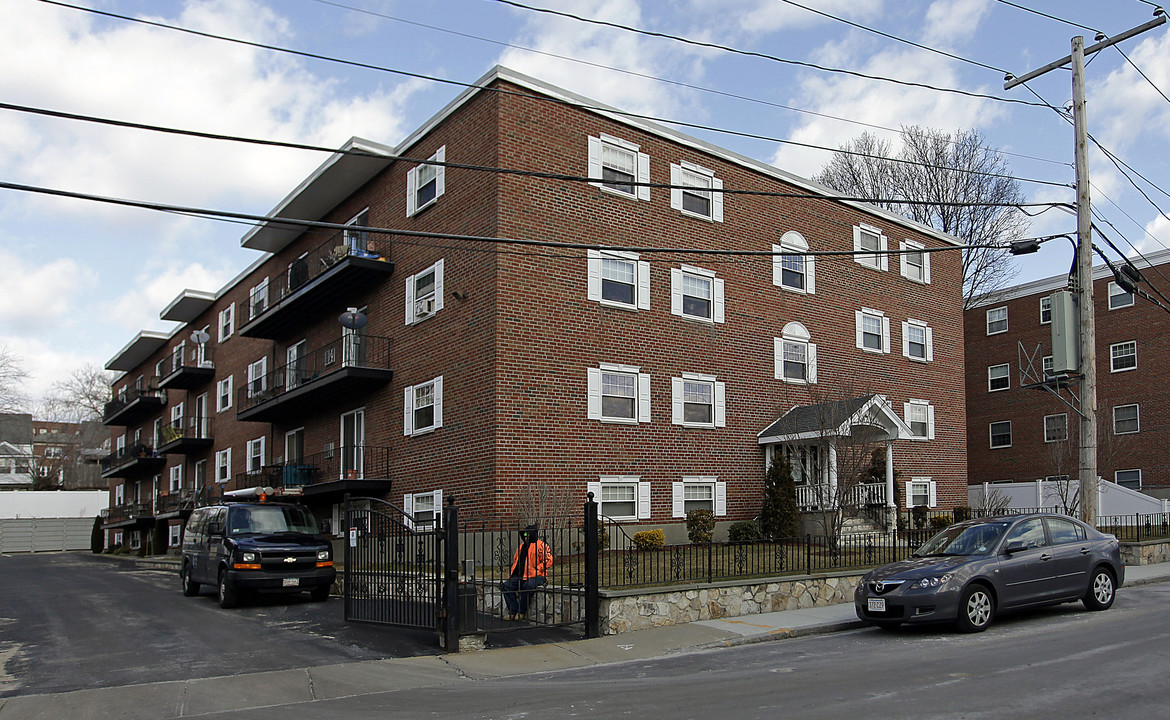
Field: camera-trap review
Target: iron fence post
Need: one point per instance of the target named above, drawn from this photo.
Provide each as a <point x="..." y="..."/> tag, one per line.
<point x="450" y="560"/>
<point x="592" y="596"/>
<point x="709" y="568"/>
<point x="347" y="577"/>
<point x="808" y="554"/>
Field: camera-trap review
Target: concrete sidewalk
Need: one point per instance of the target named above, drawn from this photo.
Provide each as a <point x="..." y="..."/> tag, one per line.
<point x="192" y="698"/>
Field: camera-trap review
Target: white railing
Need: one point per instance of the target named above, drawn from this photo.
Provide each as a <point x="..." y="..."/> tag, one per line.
<point x="816" y="497"/>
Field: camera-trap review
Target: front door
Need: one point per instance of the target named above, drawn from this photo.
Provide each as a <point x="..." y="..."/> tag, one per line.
<point x="353" y="438"/>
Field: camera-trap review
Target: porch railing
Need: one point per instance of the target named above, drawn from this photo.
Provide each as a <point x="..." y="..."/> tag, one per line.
<point x="821" y="496"/>
<point x="356" y="462"/>
<point x="360" y="351"/>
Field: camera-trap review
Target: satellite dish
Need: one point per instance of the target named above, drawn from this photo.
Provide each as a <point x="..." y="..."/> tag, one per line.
<point x="353" y="319"/>
<point x="199" y="337"/>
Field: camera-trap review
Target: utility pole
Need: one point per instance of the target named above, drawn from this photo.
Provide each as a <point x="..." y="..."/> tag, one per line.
<point x="1086" y="316"/>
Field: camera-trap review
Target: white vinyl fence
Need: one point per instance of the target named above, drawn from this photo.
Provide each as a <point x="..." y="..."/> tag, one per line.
<point x="25" y="535"/>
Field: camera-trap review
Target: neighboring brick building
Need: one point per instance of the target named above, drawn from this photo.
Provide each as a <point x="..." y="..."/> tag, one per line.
<point x="512" y="375"/>
<point x="1016" y="433"/>
<point x="66" y="455"/>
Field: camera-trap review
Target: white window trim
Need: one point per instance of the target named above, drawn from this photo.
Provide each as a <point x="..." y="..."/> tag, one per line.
<point x="1138" y="408"/>
<point x="641" y="192"/>
<point x="1114" y="290"/>
<point x="1049" y="320"/>
<point x="594" y="403"/>
<point x="921" y="481"/>
<point x="227" y="317"/>
<point x="1006" y="326"/>
<point x="1139" y="477"/>
<point x="677" y="276"/>
<point x="641" y="279"/>
<point x="408" y="427"/>
<point x="1112" y="367"/>
<point x="415" y="312"/>
<point x="1009" y="377"/>
<point x="641" y="494"/>
<point x="991" y="435"/>
<point x="223" y="458"/>
<point x="795" y="333"/>
<point x="408" y="503"/>
<point x="1045" y="427"/>
<point x="258" y="370"/>
<point x="910" y="245"/>
<point x="860" y="327"/>
<point x="906" y="341"/>
<point x="793" y="243"/>
<point x="412" y="206"/>
<point x="175" y="478"/>
<point x="718" y="399"/>
<point x="718" y="494"/>
<point x="174" y="534"/>
<point x="250" y="454"/>
<point x="219" y="394"/>
<point x="863" y="256"/>
<point x="676" y="191"/>
<point x="913" y="403"/>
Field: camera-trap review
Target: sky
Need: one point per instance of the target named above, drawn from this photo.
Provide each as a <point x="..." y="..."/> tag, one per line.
<point x="79" y="279"/>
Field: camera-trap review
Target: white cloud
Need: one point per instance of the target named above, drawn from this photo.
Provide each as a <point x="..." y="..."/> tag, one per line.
<point x="40" y="299"/>
<point x="154" y="288"/>
<point x="769" y="15"/>
<point x="1157" y="236"/>
<point x="950" y="21"/>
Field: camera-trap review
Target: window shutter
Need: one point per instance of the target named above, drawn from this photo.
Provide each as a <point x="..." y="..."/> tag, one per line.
<point x="440" y="172"/>
<point x="595" y="488"/>
<point x="716" y="200"/>
<point x="675" y="190"/>
<point x="930" y="422"/>
<point x="408" y="411"/>
<point x="439" y="402"/>
<point x="906" y="412"/>
<point x="933" y="495"/>
<point x="908" y="494"/>
<point x="594" y="394"/>
<point x="720" y="404"/>
<point x="595" y="160"/>
<point x="926" y="267"/>
<point x="643" y="285"/>
<point x="594" y="275"/>
<point x="411" y="190"/>
<point x="778" y="358"/>
<point x="677" y="506"/>
<point x="643" y="176"/>
<point x="884" y="259"/>
<point x="720" y="499"/>
<point x="439" y="285"/>
<point x="860" y="323"/>
<point x="810" y="274"/>
<point x="885" y="334"/>
<point x="676" y="282"/>
<point x="930" y="344"/>
<point x="719" y="302"/>
<point x="777" y="268"/>
<point x="902" y="260"/>
<point x="906" y="339"/>
<point x="410" y="300"/>
<point x="408" y="509"/>
<point x="676" y="401"/>
<point x="438" y="508"/>
<point x="643" y="501"/>
<point x="644" y="397"/>
<point x="812" y="363"/>
<point x="856" y="242"/>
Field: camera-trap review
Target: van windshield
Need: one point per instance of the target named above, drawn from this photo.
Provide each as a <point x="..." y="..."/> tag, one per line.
<point x="270" y="519"/>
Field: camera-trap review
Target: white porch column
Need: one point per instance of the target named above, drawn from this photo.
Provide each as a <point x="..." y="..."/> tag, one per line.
<point x="890" y="474"/>
<point x="833" y="473"/>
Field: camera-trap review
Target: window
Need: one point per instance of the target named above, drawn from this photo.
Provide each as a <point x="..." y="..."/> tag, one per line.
<point x="255" y="458"/>
<point x="223" y="465"/>
<point x="917" y="341"/>
<point x="356" y="241"/>
<point x="176" y="473"/>
<point x="997" y="320"/>
<point x="698" y="493"/>
<point x="120" y="494"/>
<point x="1125" y="419"/>
<point x="791" y="269"/>
<point x="921" y="492"/>
<point x="426" y="509"/>
<point x="1064" y="531"/>
<point x="698" y="401"/>
<point x="258" y="299"/>
<point x="619" y="165"/>
<point x="999" y="377"/>
<point x="174" y="533"/>
<point x="1119" y="298"/>
<point x="423" y="407"/>
<point x="696" y="294"/>
<point x="1001" y="434"/>
<point x="919" y="415"/>
<point x="870" y="247"/>
<point x="1029" y="532"/>
<point x="1131" y="479"/>
<point x="258" y="377"/>
<point x="619" y="278"/>
<point x="426" y="183"/>
<point x="1123" y="356"/>
<point x="1056" y="427"/>
<point x="873" y="331"/>
<point x="692" y="191"/>
<point x="223" y="394"/>
<point x="915" y="262"/>
<point x="160" y="368"/>
<point x="227" y="322"/>
<point x="621" y="497"/>
<point x="796" y="357"/>
<point x="1046" y="368"/>
<point x="424" y="293"/>
<point x="618" y="393"/>
<point x="1046" y="310"/>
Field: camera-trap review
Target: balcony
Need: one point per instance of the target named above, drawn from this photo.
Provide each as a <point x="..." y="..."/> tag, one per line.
<point x="360" y="469"/>
<point x="186" y="436"/>
<point x="347" y="367"/>
<point x="328" y="276"/>
<point x="188" y="368"/>
<point x="174" y="504"/>
<point x="134" y="404"/>
<point x="131" y="461"/>
<point x="130" y="515"/>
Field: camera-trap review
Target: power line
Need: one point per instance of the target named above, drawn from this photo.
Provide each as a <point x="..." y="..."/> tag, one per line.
<point x="1046" y="15"/>
<point x="1144" y="76"/>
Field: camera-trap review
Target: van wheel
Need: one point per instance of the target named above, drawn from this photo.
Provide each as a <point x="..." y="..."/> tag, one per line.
<point x="190" y="587"/>
<point x="319" y="593"/>
<point x="227" y="597"/>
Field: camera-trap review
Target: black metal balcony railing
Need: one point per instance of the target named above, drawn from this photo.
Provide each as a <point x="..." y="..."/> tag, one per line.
<point x="356" y="358"/>
<point x="185" y="435"/>
<point x="175" y="502"/>
<point x="132" y="511"/>
<point x="133" y="403"/>
<point x="358" y="462"/>
<point x="189" y="368"/>
<point x="129" y="460"/>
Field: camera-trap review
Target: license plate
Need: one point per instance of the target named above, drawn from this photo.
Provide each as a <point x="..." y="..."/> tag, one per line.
<point x="877" y="604"/>
<point x="295" y="582"/>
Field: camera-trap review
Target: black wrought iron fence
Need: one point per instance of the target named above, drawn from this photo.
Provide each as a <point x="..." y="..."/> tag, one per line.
<point x="361" y="351"/>
<point x="348" y="462"/>
<point x="1137" y="527"/>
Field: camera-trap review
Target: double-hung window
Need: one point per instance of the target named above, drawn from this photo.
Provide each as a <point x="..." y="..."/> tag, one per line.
<point x="1001" y="434"/>
<point x="223" y="465"/>
<point x="1123" y="356"/>
<point x="999" y="377"/>
<point x="426" y="183"/>
<point x="255" y="458"/>
<point x="227" y="322"/>
<point x="695" y="191"/>
<point x="357" y="241"/>
<point x="619" y="279"/>
<point x="696" y="294"/>
<point x="223" y="394"/>
<point x="258" y="377"/>
<point x="423" y="407"/>
<point x="997" y="320"/>
<point x="258" y="299"/>
<point x="917" y="341"/>
<point x="915" y="261"/>
<point x="1046" y="367"/>
<point x="1046" y="310"/>
<point x="873" y="330"/>
<point x="1119" y="298"/>
<point x="698" y="401"/>
<point x="1056" y="428"/>
<point x="176" y="478"/>
<point x="621" y="497"/>
<point x="919" y="415"/>
<point x="618" y="393"/>
<point x="1131" y="479"/>
<point x="795" y="357"/>
<point x="424" y="293"/>
<point x="424" y="511"/>
<point x="792" y="269"/>
<point x="619" y="166"/>
<point x="698" y="493"/>
<point x="870" y="247"/>
<point x="921" y="492"/>
<point x="1125" y="419"/>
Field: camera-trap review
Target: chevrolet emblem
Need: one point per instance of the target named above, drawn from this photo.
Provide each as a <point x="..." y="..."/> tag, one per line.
<point x="290" y="559"/>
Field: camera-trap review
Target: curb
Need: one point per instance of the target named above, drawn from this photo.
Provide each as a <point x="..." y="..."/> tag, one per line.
<point x="782" y="634"/>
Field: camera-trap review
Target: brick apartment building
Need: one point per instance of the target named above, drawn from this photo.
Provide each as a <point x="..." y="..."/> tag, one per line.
<point x="1019" y="433"/>
<point x="506" y="374"/>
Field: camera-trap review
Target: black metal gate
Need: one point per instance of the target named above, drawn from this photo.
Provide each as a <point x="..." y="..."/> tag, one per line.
<point x="393" y="566"/>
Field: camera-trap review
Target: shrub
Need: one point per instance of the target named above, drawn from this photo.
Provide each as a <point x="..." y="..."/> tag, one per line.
<point x="918" y="516"/>
<point x="780" y="516"/>
<point x="961" y="513"/>
<point x="649" y="539"/>
<point x="700" y="526"/>
<point x="97" y="538"/>
<point x="744" y="531"/>
<point x="938" y="522"/>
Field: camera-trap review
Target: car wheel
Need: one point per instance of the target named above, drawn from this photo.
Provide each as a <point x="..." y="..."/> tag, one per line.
<point x="1101" y="591"/>
<point x="976" y="608"/>
<point x="190" y="587"/>
<point x="319" y="593"/>
<point x="227" y="596"/>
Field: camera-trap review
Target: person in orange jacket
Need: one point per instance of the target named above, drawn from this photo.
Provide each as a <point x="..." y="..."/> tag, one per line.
<point x="530" y="565"/>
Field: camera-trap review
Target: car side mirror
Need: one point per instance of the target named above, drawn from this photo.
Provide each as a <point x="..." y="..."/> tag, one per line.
<point x="1015" y="546"/>
<point x="215" y="528"/>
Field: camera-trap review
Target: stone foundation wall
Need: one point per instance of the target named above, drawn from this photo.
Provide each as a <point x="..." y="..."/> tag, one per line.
<point x="1145" y="553"/>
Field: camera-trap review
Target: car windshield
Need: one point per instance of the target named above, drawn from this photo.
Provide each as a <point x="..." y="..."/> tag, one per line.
<point x="978" y="539"/>
<point x="270" y="519"/>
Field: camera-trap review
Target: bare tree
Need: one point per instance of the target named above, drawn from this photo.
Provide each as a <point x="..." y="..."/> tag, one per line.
<point x="966" y="188"/>
<point x="12" y="378"/>
<point x="80" y="397"/>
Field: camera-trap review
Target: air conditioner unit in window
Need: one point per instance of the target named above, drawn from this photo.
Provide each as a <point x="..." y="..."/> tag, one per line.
<point x="424" y="307"/>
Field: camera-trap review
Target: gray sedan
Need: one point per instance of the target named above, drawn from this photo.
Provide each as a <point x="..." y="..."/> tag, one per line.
<point x="972" y="570"/>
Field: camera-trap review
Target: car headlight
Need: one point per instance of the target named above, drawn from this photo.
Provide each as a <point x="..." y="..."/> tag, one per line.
<point x="322" y="554"/>
<point x="249" y="557"/>
<point x="933" y="581"/>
